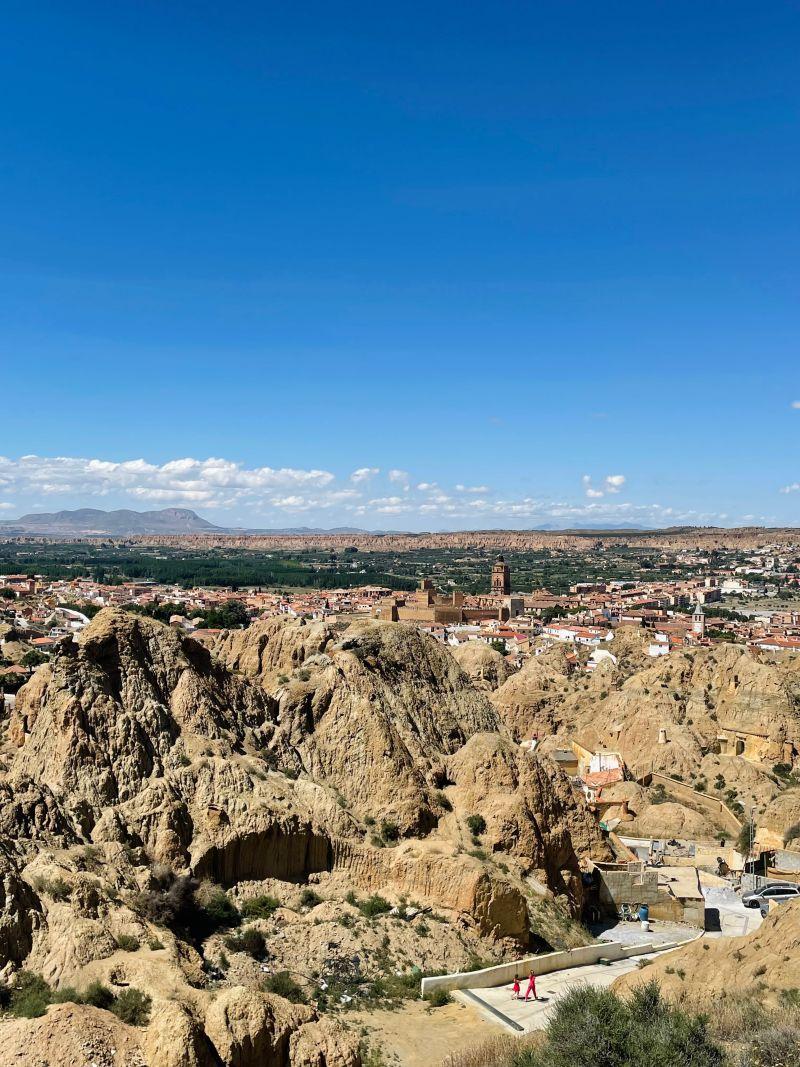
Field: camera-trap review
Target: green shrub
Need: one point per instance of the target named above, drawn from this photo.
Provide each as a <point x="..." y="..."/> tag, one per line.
<point x="374" y="905"/>
<point x="443" y="801"/>
<point x="66" y="995"/>
<point x="91" y="858"/>
<point x="261" y="907"/>
<point x="250" y="941"/>
<point x="154" y="944"/>
<point x="132" y="1006"/>
<point x="593" y="1027"/>
<point x="476" y="825"/>
<point x="127" y="943"/>
<point x="438" y="998"/>
<point x="284" y="986"/>
<point x="743" y="842"/>
<point x="372" y="1056"/>
<point x="55" y="888"/>
<point x="390" y="831"/>
<point x="179" y="903"/>
<point x="219" y="909"/>
<point x="309" y="899"/>
<point x="98" y="995"/>
<point x="30" y="995"/>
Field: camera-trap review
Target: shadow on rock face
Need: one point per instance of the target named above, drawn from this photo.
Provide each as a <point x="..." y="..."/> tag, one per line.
<point x="272" y="853"/>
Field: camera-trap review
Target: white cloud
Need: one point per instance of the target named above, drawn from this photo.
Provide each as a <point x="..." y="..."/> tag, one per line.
<point x="796" y="405"/>
<point x="212" y="481"/>
<point x="793" y="488"/>
<point x="614" y="482"/>
<point x="237" y="493"/>
<point x="363" y="474"/>
<point x="383" y="501"/>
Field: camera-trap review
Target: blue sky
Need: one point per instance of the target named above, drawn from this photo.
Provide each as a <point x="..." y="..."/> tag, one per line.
<point x="538" y="258"/>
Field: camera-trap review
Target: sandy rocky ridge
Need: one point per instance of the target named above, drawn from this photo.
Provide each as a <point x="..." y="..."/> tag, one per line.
<point x="339" y="758"/>
<point x="692" y="694"/>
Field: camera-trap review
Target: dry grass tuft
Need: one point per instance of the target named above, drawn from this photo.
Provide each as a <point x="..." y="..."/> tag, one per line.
<point x="496" y="1052"/>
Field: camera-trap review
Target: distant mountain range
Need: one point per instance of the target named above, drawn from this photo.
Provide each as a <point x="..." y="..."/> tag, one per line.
<point x="92" y="522"/>
<point x="591" y="526"/>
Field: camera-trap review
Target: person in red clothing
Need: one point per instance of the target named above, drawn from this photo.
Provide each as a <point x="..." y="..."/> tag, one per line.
<point x="515" y="989"/>
<point x="531" y="988"/>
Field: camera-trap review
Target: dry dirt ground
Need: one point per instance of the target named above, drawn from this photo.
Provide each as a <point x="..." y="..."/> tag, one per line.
<point x="419" y="1036"/>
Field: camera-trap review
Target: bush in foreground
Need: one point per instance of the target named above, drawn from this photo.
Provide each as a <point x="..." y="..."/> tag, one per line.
<point x="593" y="1027"/>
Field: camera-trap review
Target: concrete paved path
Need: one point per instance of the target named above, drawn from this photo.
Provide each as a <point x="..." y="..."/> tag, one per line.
<point x="497" y="1004"/>
<point x="734" y="918"/>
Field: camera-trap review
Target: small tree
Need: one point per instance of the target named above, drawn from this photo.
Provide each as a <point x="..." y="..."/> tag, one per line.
<point x="33" y="658"/>
<point x="746" y="835"/>
<point x="476" y="825"/>
<point x="285" y="986"/>
<point x="132" y="1006"/>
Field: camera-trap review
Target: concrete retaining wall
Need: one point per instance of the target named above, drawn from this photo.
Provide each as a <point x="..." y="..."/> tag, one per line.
<point x="503" y="973"/>
<point x="714" y="807"/>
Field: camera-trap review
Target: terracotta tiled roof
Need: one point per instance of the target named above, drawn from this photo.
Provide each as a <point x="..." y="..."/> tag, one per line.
<point x="600" y="778"/>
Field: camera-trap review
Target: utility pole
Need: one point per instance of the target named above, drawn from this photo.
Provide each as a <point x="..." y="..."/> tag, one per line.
<point x="752" y="833"/>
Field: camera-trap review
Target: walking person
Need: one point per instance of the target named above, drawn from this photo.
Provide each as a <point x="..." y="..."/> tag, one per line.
<point x="531" y="988"/>
<point x="515" y="989"/>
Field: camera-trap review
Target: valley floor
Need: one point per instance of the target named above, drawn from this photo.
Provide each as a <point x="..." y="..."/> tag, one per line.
<point x="417" y="1035"/>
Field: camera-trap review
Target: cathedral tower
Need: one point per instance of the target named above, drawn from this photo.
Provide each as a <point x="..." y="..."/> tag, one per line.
<point x="501" y="578"/>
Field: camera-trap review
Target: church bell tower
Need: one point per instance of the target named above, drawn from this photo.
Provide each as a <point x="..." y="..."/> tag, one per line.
<point x="501" y="578"/>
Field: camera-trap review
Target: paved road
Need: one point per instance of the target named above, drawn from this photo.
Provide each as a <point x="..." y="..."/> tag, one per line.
<point x="631" y="933"/>
<point x="498" y="1005"/>
<point x="734" y="918"/>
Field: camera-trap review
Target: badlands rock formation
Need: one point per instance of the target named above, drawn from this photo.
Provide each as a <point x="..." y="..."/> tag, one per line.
<point x="487" y="668"/>
<point x="149" y="781"/>
<point x="693" y="695"/>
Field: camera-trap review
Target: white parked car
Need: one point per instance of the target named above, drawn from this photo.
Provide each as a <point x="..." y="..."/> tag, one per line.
<point x="778" y="891"/>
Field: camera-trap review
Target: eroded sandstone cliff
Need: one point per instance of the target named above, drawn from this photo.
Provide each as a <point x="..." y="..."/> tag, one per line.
<point x="344" y="759"/>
